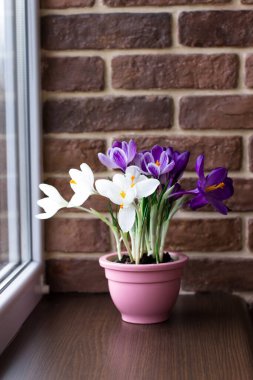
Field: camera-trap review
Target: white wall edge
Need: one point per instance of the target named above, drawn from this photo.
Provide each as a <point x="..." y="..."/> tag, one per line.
<point x="18" y="300"/>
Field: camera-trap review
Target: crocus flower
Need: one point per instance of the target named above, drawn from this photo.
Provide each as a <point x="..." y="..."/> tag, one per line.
<point x="119" y="156"/>
<point x="155" y="162"/>
<point x="123" y="189"/>
<point x="52" y="203"/>
<point x="82" y="183"/>
<point x="214" y="188"/>
<point x="181" y="161"/>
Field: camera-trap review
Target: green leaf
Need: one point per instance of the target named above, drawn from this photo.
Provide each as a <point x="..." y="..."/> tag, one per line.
<point x="177" y="205"/>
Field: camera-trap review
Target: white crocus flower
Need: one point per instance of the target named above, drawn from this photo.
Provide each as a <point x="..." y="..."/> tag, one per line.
<point x="82" y="183"/>
<point x="123" y="189"/>
<point x="52" y="203"/>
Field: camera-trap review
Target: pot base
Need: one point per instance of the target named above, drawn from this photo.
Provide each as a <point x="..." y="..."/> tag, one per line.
<point x="145" y="320"/>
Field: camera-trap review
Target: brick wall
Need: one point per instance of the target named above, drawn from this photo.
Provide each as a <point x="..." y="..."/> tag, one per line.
<point x="174" y="72"/>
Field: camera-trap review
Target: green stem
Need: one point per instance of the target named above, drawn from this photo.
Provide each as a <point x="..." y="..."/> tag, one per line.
<point x="153" y="224"/>
<point x="118" y="245"/>
<point x="164" y="231"/>
<point x="131" y="233"/>
<point x="127" y="245"/>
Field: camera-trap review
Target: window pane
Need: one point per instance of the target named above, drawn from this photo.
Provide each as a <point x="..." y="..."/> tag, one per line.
<point x="14" y="146"/>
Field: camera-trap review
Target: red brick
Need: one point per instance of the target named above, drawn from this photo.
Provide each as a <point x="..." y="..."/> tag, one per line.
<point x="75" y="275"/>
<point x="241" y="201"/>
<point x="97" y="202"/>
<point x="60" y="155"/>
<point x="216" y="28"/>
<point x="216" y="112"/>
<point x="249" y="71"/>
<point x="73" y="74"/>
<point x="205" y="235"/>
<point x="219" y="151"/>
<point x="141" y="3"/>
<point x="231" y="274"/>
<point x="61" y="4"/>
<point x="76" y="235"/>
<point x="250" y="233"/>
<point x="251" y="153"/>
<point x="108" y="114"/>
<point x="217" y="71"/>
<point x="106" y="31"/>
<point x="200" y="274"/>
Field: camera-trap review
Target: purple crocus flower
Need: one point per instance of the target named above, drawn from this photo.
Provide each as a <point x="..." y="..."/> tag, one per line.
<point x="119" y="156"/>
<point x="213" y="189"/>
<point x="181" y="161"/>
<point x="155" y="162"/>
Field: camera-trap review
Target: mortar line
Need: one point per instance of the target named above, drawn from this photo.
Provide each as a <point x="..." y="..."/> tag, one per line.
<point x="100" y="7"/>
<point x="166" y="132"/>
<point x="177" y="49"/>
<point x="58" y="95"/>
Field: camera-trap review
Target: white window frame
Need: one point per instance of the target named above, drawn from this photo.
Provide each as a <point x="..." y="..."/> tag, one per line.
<point x="25" y="289"/>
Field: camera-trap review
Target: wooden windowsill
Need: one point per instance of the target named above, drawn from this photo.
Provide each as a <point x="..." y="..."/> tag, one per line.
<point x="208" y="337"/>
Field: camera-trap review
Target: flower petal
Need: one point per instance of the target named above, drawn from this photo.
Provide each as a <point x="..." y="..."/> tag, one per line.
<point x="170" y="152"/>
<point x="156" y="152"/>
<point x="53" y="196"/>
<point x="181" y="163"/>
<point x="106" y="161"/>
<point x="199" y="167"/>
<point x="164" y="160"/>
<point x="154" y="170"/>
<point x="124" y="147"/>
<point x="89" y="176"/>
<point x="138" y="159"/>
<point x="126" y="218"/>
<point x="76" y="175"/>
<point x="168" y="168"/>
<point x="120" y="158"/>
<point x="120" y="180"/>
<point x="148" y="158"/>
<point x="143" y="166"/>
<point x="51" y="192"/>
<point x="219" y="206"/>
<point x="116" y="144"/>
<point x="79" y="198"/>
<point x="146" y="187"/>
<point x="197" y="202"/>
<point x="132" y="149"/>
<point x="109" y="190"/>
<point x="216" y="176"/>
<point x="50" y="207"/>
<point x="133" y="171"/>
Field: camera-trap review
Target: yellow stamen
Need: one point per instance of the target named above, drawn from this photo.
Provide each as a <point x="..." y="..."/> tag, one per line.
<point x="121" y="206"/>
<point x="123" y="194"/>
<point x="133" y="184"/>
<point x="215" y="187"/>
<point x="158" y="163"/>
<point x="73" y="182"/>
<point x="132" y="178"/>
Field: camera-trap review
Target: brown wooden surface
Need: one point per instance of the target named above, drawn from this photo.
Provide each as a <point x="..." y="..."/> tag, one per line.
<point x="208" y="337"/>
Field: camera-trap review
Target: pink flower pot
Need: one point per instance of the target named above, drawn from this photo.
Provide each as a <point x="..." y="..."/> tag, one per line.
<point x="144" y="293"/>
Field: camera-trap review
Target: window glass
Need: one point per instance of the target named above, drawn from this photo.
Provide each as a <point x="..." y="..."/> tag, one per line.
<point x="14" y="139"/>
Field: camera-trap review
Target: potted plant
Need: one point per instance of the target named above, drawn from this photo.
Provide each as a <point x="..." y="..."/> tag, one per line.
<point x="144" y="280"/>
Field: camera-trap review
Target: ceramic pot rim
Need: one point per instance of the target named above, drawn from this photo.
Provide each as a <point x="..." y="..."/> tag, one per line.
<point x="105" y="262"/>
